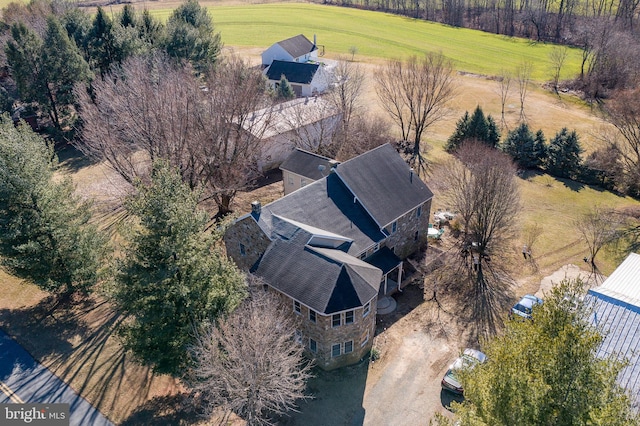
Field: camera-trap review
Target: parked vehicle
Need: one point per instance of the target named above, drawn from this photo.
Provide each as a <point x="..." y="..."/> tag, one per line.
<point x="469" y="359"/>
<point x="525" y="306"/>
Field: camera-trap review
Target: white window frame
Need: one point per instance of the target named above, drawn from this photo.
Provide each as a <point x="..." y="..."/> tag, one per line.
<point x="333" y="320"/>
<point x="394" y="227"/>
<point x="366" y="309"/>
<point x="313" y="345"/>
<point x="366" y="339"/>
<point x="348" y="314"/>
<point x="313" y="316"/>
<point x="297" y="308"/>
<point x="350" y="342"/>
<point x="333" y="347"/>
<point x="297" y="336"/>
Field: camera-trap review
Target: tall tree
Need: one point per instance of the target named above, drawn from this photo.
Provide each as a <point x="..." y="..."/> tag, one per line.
<point x="190" y="36"/>
<point x="45" y="230"/>
<point x="623" y="111"/>
<point x="563" y="154"/>
<point x="101" y="43"/>
<point x="46" y="70"/>
<point x="173" y="277"/>
<point x="480" y="184"/>
<point x="599" y="227"/>
<point x="250" y="362"/>
<point x="415" y="94"/>
<point x="475" y="127"/>
<point x="523" y="76"/>
<point x="284" y="90"/>
<point x="346" y="95"/>
<point x="152" y="108"/>
<point x="547" y="372"/>
<point x="505" y="80"/>
<point x="527" y="150"/>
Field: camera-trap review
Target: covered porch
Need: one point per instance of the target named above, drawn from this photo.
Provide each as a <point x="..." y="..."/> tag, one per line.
<point x="391" y="267"/>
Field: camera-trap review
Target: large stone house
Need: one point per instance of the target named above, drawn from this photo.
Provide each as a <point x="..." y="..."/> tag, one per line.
<point x="334" y="246"/>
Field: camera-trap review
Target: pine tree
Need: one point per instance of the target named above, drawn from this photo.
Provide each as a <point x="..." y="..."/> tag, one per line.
<point x="458" y="136"/>
<point x="101" y="44"/>
<point x="45" y="234"/>
<point x="525" y="149"/>
<point x="284" y="90"/>
<point x="474" y="127"/>
<point x="173" y="277"/>
<point x="190" y="36"/>
<point x="564" y="151"/>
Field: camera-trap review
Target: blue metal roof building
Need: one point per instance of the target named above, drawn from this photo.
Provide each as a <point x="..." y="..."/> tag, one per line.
<point x="616" y="311"/>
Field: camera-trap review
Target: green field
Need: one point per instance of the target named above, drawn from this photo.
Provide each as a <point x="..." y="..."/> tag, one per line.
<point x="380" y="35"/>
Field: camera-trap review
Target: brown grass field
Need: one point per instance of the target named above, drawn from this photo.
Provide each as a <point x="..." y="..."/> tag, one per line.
<point x="77" y="341"/>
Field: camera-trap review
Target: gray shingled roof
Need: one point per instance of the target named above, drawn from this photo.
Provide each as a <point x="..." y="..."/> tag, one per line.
<point x="294" y="72"/>
<point x="326" y="280"/>
<point x="325" y="204"/>
<point x="382" y="182"/>
<point x="298" y="45"/>
<point x="305" y="163"/>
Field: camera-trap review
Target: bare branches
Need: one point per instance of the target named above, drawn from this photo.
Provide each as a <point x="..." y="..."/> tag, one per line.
<point x="250" y="362"/>
<point x="346" y="94"/>
<point x="481" y="187"/>
<point x="523" y="74"/>
<point x="599" y="227"/>
<point x="505" y="86"/>
<point x="415" y="93"/>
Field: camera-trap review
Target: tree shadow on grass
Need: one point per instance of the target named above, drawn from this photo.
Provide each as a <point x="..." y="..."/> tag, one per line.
<point x="76" y="341"/>
<point x="72" y="159"/>
<point x="165" y="410"/>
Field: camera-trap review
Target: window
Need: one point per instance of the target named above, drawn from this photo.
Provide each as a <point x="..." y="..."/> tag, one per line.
<point x="298" y="336"/>
<point x="313" y="345"/>
<point x="362" y="255"/>
<point x="394" y="227"/>
<point x="296" y="306"/>
<point x="336" y="320"/>
<point x="348" y="346"/>
<point x="303" y="182"/>
<point x="419" y="211"/>
<point x="365" y="339"/>
<point x="348" y="317"/>
<point x="243" y="250"/>
<point x="366" y="309"/>
<point x="335" y="350"/>
<point x="312" y="315"/>
<point x="290" y="180"/>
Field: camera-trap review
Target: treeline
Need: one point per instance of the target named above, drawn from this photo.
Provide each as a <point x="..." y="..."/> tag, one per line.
<point x="605" y="30"/>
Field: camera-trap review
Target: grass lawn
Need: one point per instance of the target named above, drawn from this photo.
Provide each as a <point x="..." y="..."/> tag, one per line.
<point x="379" y="35"/>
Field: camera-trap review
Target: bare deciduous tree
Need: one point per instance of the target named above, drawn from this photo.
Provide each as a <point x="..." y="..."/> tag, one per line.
<point x="523" y="74"/>
<point x="504" y="80"/>
<point x="151" y="109"/>
<point x="557" y="57"/>
<point x="346" y="94"/>
<point x="623" y="111"/>
<point x="599" y="227"/>
<point x="481" y="186"/>
<point x="415" y="94"/>
<point x="249" y="363"/>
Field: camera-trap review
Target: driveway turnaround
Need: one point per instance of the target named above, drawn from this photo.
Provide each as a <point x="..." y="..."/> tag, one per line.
<point x="23" y="380"/>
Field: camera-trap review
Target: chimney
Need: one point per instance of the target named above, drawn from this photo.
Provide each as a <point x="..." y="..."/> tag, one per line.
<point x="314" y="41"/>
<point x="411" y="175"/>
<point x="256" y="208"/>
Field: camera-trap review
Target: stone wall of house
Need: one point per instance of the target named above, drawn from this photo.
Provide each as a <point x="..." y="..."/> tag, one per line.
<point x="361" y="333"/>
<point x="404" y="241"/>
<point x="253" y="239"/>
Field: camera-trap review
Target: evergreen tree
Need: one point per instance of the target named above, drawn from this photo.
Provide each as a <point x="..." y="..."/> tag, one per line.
<point x="101" y="44"/>
<point x="150" y="29"/>
<point x="173" y="277"/>
<point x="24" y="50"/>
<point x="45" y="235"/>
<point x="190" y="36"/>
<point x="474" y="127"/>
<point x="563" y="158"/>
<point x="525" y="149"/>
<point x="540" y="147"/>
<point x="62" y="67"/>
<point x="284" y="90"/>
<point x="128" y="17"/>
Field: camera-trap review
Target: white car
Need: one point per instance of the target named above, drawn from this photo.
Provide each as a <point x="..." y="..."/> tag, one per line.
<point x="468" y="359"/>
<point x="525" y="306"/>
